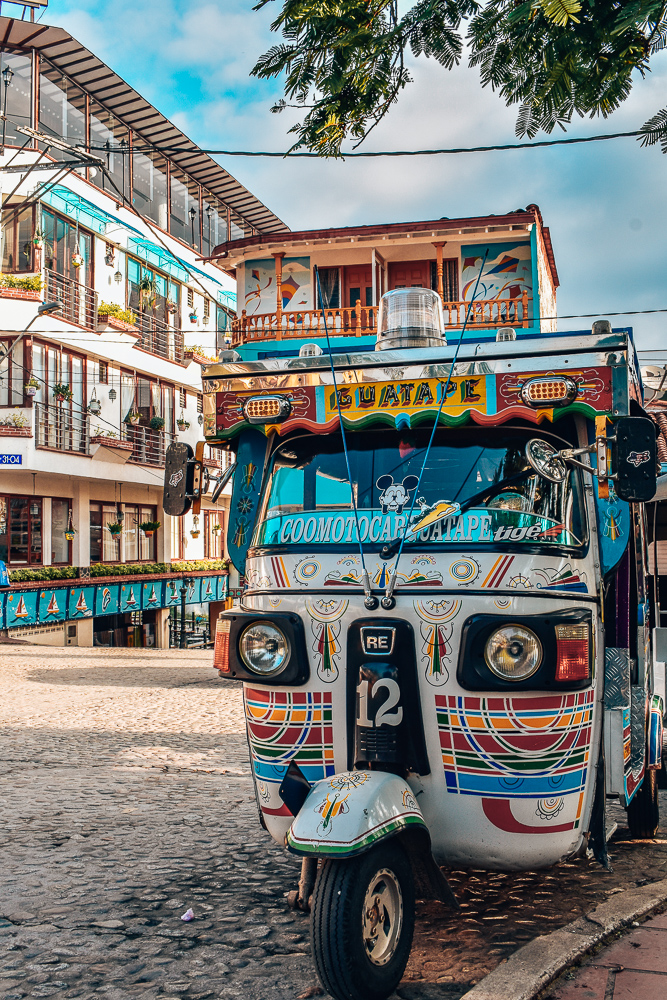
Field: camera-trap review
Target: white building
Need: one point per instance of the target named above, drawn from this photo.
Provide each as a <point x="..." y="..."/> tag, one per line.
<point x="98" y="219"/>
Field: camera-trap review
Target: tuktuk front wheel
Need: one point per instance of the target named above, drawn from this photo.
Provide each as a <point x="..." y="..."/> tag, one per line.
<point x="644" y="809"/>
<point x="362" y="922"/>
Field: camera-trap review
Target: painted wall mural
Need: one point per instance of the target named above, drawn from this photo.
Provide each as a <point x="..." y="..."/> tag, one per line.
<point x="260" y="285"/>
<point x="507" y="272"/>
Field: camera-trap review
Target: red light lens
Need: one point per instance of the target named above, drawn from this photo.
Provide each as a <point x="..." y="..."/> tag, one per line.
<point x="221" y="648"/>
<point x="572" y="653"/>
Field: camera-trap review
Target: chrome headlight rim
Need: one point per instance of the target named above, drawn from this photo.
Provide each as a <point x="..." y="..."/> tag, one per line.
<point x="248" y="663"/>
<point x="518" y="631"/>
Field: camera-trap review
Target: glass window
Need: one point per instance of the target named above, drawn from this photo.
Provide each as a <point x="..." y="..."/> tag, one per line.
<point x="62" y="109"/>
<point x="239" y="228"/>
<point x="149" y="186"/>
<point x="213" y="531"/>
<point x="21" y="530"/>
<point x="308" y="497"/>
<point x="11" y="375"/>
<point x="111" y="139"/>
<point x="330" y="285"/>
<point x="214" y="224"/>
<point x="17" y="250"/>
<point x="60" y="547"/>
<point x="62" y="239"/>
<point x="104" y="547"/>
<point x="184" y="197"/>
<point x="18" y="95"/>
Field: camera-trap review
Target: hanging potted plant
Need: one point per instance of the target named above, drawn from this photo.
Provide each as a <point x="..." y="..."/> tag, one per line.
<point x="182" y="423"/>
<point x="77" y="259"/>
<point x="193" y="316"/>
<point x="216" y="528"/>
<point x="38" y="238"/>
<point x="62" y="392"/>
<point x="133" y="418"/>
<point x="150" y="527"/>
<point x="94" y="406"/>
<point x="171" y="306"/>
<point x="195" y="527"/>
<point x="115" y="527"/>
<point x="31" y="386"/>
<point x="148" y="290"/>
<point x="70" y="530"/>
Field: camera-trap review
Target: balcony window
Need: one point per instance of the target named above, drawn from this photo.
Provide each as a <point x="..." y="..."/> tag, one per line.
<point x="184" y="197"/>
<point x="138" y="546"/>
<point x="11" y="375"/>
<point x="62" y="109"/>
<point x="239" y="228"/>
<point x="149" y="186"/>
<point x="63" y="239"/>
<point x="214" y="225"/>
<point x="21" y="530"/>
<point x="18" y="96"/>
<point x="17" y="250"/>
<point x="107" y="132"/>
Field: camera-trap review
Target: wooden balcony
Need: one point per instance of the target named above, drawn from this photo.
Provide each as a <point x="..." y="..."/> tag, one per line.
<point x="360" y="321"/>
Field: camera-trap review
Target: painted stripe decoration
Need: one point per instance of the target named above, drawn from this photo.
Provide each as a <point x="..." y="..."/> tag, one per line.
<point x="279" y="571"/>
<point x="498" y="571"/>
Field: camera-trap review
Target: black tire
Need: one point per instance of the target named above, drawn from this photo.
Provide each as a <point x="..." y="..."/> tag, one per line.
<point x="644" y="809"/>
<point x="344" y="932"/>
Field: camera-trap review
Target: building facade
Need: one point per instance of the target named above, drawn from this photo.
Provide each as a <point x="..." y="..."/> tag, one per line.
<point x="107" y="212"/>
<point x="281" y="299"/>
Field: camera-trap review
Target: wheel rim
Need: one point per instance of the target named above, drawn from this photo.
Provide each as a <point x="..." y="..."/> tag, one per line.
<point x="382" y="918"/>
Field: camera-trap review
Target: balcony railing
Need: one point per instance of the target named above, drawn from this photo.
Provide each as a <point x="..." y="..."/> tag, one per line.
<point x="58" y="428"/>
<point x="159" y="338"/>
<point x="360" y="320"/>
<point x="78" y="303"/>
<point x="148" y="446"/>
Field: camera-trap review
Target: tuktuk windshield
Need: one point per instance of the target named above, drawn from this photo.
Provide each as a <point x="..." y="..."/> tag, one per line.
<point x="308" y="501"/>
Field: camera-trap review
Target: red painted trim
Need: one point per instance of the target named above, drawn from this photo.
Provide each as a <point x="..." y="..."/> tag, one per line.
<point x="499" y="812"/>
<point x="283" y="811"/>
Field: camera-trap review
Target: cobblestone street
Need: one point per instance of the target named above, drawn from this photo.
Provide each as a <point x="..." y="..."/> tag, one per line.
<point x="126" y="799"/>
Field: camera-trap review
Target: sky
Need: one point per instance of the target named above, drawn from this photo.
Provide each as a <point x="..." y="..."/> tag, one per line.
<point x="603" y="202"/>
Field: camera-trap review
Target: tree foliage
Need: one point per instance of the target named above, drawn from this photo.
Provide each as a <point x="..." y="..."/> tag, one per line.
<point x="344" y="60"/>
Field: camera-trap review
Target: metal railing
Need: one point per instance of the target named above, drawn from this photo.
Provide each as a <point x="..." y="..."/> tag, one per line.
<point x="148" y="446"/>
<point x="78" y="303"/>
<point x="58" y="428"/>
<point x="159" y="338"/>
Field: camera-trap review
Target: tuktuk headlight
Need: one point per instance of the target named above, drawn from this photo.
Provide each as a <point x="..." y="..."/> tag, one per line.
<point x="264" y="649"/>
<point x="513" y="653"/>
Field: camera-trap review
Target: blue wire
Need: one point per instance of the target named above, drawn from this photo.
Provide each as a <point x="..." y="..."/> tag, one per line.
<point x="437" y="417"/>
<point x="340" y="419"/>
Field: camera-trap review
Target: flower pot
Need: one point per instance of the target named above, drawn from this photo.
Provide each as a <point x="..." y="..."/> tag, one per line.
<point x="195" y="534"/>
<point x="133" y="421"/>
<point x="148" y="533"/>
<point x="37" y="241"/>
<point x="30" y="390"/>
<point x="69" y="535"/>
<point x="182" y="425"/>
<point x="193" y="317"/>
<point x="77" y="260"/>
<point x="115" y="531"/>
<point x="60" y="399"/>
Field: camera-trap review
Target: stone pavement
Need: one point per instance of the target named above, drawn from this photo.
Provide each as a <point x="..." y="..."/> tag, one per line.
<point x="632" y="968"/>
<point x="126" y="798"/>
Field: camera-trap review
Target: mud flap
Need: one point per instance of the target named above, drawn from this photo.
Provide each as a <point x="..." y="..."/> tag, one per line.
<point x="597" y="840"/>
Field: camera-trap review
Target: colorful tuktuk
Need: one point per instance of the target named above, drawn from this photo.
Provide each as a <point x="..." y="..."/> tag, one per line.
<point x="445" y="638"/>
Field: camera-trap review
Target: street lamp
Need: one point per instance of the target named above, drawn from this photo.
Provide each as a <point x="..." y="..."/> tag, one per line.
<point x="7" y="75"/>
<point x="192" y="213"/>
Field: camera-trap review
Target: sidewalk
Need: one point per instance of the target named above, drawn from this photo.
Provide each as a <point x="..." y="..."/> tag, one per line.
<point x="632" y="968"/>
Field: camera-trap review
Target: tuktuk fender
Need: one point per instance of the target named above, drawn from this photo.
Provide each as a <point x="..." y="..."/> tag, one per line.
<point x="348" y="814"/>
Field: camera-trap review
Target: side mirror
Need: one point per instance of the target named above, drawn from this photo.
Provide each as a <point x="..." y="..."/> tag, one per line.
<point x="178" y="479"/>
<point x="222" y="481"/>
<point x="634" y="459"/>
<point x="546" y="461"/>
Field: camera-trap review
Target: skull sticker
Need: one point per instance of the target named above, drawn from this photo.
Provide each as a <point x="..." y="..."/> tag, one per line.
<point x="395" y="496"/>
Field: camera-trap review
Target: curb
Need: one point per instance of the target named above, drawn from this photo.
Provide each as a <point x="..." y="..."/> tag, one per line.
<point x="534" y="966"/>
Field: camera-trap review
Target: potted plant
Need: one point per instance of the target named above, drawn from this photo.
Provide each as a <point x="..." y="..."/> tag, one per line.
<point x="157" y="423"/>
<point x="224" y="569"/>
<point x="195" y="526"/>
<point x="195" y="532"/>
<point x="62" y="392"/>
<point x="70" y="532"/>
<point x="148" y="289"/>
<point x="150" y="527"/>
<point x="133" y="418"/>
<point x="193" y="316"/>
<point x="171" y="306"/>
<point x="31" y="386"/>
<point x="182" y="423"/>
<point x="77" y="259"/>
<point x="216" y="528"/>
<point x="115" y="527"/>
<point x="38" y="238"/>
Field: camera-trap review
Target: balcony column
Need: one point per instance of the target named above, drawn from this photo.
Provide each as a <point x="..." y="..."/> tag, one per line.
<point x="438" y="270"/>
<point x="278" y="257"/>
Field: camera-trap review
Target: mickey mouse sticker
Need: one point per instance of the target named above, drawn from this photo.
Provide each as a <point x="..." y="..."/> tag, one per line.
<point x="395" y="496"/>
